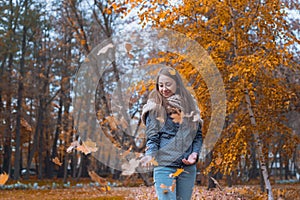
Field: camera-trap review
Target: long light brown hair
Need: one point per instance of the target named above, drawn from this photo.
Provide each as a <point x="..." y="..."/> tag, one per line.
<point x="188" y="103"/>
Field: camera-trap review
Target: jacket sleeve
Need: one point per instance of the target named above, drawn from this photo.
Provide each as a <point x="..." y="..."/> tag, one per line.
<point x="197" y="142"/>
<point x="153" y="136"/>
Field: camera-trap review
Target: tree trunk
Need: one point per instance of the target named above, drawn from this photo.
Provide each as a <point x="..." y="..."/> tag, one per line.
<point x="259" y="148"/>
<point x="57" y="132"/>
<point x="20" y="98"/>
<point x="41" y="143"/>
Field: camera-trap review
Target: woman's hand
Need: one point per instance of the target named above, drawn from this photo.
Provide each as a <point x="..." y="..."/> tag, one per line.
<point x="146" y="161"/>
<point x="191" y="159"/>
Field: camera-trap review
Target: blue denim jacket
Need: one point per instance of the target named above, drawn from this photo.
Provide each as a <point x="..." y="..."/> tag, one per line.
<point x="171" y="142"/>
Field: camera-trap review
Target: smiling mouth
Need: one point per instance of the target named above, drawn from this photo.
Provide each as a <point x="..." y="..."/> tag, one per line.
<point x="166" y="93"/>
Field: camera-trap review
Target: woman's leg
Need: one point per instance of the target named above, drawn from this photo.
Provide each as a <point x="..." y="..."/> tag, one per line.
<point x="163" y="183"/>
<point x="185" y="183"/>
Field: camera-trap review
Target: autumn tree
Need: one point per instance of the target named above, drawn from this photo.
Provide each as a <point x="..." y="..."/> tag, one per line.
<point x="249" y="41"/>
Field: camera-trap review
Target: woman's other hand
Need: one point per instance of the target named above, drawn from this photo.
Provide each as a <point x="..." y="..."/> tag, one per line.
<point x="191" y="159"/>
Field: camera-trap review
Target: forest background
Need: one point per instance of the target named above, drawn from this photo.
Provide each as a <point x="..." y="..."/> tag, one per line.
<point x="254" y="45"/>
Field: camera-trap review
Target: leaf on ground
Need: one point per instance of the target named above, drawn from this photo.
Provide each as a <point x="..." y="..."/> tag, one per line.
<point x="3" y="178"/>
<point x="177" y="173"/>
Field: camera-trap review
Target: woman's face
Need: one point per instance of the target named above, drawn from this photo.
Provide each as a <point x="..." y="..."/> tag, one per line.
<point x="166" y="86"/>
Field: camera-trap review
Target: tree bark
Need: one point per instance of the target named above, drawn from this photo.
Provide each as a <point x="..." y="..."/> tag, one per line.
<point x="20" y="97"/>
<point x="258" y="143"/>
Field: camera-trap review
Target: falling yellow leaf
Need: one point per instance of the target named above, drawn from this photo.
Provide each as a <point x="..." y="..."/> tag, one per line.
<point x="163" y="186"/>
<point x="83" y="149"/>
<point x="57" y="161"/>
<point x="87" y="147"/>
<point x="3" y="178"/>
<point x="115" y="6"/>
<point x="128" y="47"/>
<point x="130" y="56"/>
<point x="90" y="145"/>
<point x="177" y="173"/>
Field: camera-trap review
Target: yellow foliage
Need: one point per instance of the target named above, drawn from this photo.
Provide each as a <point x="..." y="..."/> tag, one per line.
<point x="241" y="39"/>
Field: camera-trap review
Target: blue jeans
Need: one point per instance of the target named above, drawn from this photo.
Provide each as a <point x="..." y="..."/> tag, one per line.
<point x="174" y="188"/>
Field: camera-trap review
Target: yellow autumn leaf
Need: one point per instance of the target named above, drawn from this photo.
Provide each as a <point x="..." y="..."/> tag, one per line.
<point x="177" y="173"/>
<point x="87" y="147"/>
<point x="83" y="149"/>
<point x="57" y="161"/>
<point x="115" y="6"/>
<point x="3" y="178"/>
<point x="130" y="56"/>
<point x="128" y="47"/>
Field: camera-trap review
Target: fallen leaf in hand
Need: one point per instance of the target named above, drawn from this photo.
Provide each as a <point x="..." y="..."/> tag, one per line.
<point x="177" y="118"/>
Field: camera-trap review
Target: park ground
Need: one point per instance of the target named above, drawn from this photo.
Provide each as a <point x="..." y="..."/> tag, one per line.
<point x="84" y="190"/>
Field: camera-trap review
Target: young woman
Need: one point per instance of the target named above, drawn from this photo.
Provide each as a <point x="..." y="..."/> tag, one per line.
<point x="174" y="136"/>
